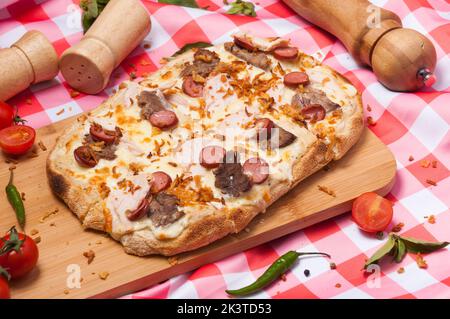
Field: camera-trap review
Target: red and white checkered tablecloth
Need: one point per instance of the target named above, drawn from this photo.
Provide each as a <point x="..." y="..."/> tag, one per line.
<point x="410" y="124"/>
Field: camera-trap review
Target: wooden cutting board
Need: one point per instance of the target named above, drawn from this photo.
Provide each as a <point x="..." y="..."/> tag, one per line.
<point x="369" y="166"/>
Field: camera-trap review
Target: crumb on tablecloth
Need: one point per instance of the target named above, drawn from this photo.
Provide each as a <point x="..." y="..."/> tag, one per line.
<point x="398" y="228"/>
<point x="74" y="93"/>
<point x="425" y="163"/>
<point x="421" y="262"/>
<point x="371" y="121"/>
<point x="432" y="219"/>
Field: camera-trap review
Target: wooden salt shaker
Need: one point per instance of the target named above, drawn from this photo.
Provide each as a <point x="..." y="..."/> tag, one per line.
<point x="121" y="26"/>
<point x="402" y="59"/>
<point x="30" y="60"/>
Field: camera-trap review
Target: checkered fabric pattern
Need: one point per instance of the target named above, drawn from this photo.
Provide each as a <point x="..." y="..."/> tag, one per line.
<point x="414" y="126"/>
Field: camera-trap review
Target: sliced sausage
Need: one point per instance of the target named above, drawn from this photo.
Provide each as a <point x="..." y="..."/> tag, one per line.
<point x="164" y="119"/>
<point x="264" y="127"/>
<point x="99" y="134"/>
<point x="85" y="156"/>
<point x="296" y="78"/>
<point x="257" y="169"/>
<point x="314" y="112"/>
<point x="160" y="181"/>
<point x="212" y="156"/>
<point x="140" y="211"/>
<point x="191" y="88"/>
<point x="285" y="53"/>
<point x="244" y="43"/>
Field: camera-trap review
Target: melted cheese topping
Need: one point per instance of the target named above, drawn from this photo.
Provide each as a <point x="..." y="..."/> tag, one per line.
<point x="226" y="109"/>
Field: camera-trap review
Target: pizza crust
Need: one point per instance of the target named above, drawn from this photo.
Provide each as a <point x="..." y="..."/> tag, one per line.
<point x="222" y="223"/>
<point x="215" y="224"/>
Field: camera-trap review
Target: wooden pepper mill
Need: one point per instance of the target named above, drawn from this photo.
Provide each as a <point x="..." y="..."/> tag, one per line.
<point x="121" y="26"/>
<point x="30" y="60"/>
<point x="402" y="59"/>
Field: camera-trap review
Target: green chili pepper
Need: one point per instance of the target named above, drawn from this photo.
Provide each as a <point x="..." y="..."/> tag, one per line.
<point x="279" y="267"/>
<point x="16" y="201"/>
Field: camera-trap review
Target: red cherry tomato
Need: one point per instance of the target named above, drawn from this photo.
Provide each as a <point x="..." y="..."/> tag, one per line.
<point x="6" y="115"/>
<point x="4" y="286"/>
<point x="22" y="258"/>
<point x="371" y="212"/>
<point x="17" y="139"/>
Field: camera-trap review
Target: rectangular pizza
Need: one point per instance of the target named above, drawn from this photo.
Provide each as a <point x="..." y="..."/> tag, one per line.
<point x="197" y="149"/>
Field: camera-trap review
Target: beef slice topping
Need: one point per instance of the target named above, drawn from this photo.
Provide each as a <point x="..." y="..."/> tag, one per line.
<point x="151" y="102"/>
<point x="269" y="132"/>
<point x="204" y="63"/>
<point x="256" y="58"/>
<point x="163" y="209"/>
<point x="311" y="97"/>
<point x="230" y="177"/>
<point x="101" y="149"/>
<point x="281" y="138"/>
<point x="108" y="152"/>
